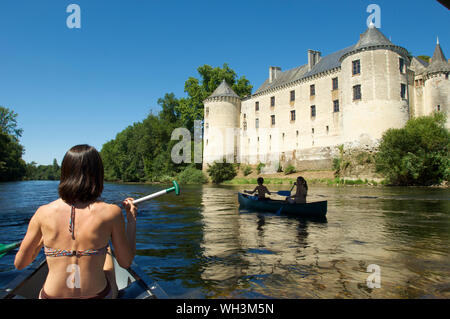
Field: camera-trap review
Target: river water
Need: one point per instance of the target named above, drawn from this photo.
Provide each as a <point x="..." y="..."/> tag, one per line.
<point x="201" y="245"/>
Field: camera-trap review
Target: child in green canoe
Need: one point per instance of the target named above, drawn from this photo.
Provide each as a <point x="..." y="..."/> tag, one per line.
<point x="261" y="189"/>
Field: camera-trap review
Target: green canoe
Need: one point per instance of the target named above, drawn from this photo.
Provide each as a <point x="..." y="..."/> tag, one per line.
<point x="133" y="283"/>
<point x="313" y="209"/>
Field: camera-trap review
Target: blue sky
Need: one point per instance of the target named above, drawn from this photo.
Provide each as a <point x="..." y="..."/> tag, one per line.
<point x="72" y="86"/>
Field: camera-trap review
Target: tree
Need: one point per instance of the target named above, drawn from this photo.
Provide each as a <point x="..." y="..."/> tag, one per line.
<point x="12" y="167"/>
<point x="8" y="122"/>
<point x="191" y="108"/>
<point x="418" y="154"/>
<point x="424" y="58"/>
<point x="221" y="171"/>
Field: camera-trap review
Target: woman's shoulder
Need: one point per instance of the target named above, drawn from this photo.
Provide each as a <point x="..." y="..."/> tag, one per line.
<point x="109" y="210"/>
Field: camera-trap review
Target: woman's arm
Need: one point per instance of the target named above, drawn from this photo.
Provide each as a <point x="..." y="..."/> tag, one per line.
<point x="124" y="240"/>
<point x="31" y="243"/>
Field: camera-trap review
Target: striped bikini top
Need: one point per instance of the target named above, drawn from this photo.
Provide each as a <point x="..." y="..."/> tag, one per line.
<point x="52" y="252"/>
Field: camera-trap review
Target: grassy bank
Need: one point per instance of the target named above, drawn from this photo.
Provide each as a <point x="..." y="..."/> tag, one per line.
<point x="313" y="181"/>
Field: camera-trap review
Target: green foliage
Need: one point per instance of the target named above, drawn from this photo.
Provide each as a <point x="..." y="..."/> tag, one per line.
<point x="220" y="172"/>
<point x="191" y="175"/>
<point x="43" y="172"/>
<point x="12" y="167"/>
<point x="425" y="58"/>
<point x="191" y="108"/>
<point x="247" y="170"/>
<point x="290" y="169"/>
<point x="260" y="167"/>
<point x="142" y="151"/>
<point x="280" y="168"/>
<point x="417" y="154"/>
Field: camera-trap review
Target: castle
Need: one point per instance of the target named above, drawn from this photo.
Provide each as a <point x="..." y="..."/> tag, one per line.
<point x="350" y="97"/>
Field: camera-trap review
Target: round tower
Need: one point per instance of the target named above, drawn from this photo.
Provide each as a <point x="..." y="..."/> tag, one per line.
<point x="221" y="125"/>
<point x="437" y="84"/>
<point x="374" y="91"/>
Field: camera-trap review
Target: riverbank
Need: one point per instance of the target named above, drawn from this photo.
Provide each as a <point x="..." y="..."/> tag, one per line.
<point x="313" y="177"/>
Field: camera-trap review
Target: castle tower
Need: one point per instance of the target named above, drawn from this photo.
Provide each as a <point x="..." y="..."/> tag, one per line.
<point x="221" y="125"/>
<point x="437" y="84"/>
<point x="374" y="90"/>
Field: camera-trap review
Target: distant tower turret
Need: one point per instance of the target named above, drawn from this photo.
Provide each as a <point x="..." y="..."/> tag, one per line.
<point x="437" y="84"/>
<point x="374" y="87"/>
<point x="221" y="125"/>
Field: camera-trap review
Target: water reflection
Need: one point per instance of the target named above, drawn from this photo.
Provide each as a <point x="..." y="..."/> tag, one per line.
<point x="201" y="244"/>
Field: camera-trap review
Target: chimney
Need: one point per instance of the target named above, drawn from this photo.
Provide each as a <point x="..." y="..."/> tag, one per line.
<point x="273" y="73"/>
<point x="313" y="58"/>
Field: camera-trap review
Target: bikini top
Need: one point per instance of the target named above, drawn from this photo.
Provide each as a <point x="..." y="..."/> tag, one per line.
<point x="52" y="252"/>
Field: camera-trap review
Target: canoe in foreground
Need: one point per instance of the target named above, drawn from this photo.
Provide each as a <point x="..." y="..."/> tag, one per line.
<point x="313" y="209"/>
<point x="133" y="283"/>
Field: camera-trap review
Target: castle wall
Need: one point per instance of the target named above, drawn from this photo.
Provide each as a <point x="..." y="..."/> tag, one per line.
<point x="221" y="130"/>
<point x="381" y="106"/>
<point x="290" y="140"/>
<point x="437" y="92"/>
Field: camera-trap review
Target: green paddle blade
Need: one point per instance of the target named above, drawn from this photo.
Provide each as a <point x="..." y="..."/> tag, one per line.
<point x="4" y="249"/>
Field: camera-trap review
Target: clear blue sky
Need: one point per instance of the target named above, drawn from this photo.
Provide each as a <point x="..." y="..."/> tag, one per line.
<point x="72" y="86"/>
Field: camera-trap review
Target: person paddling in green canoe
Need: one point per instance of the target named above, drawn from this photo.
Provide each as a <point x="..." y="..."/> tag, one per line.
<point x="301" y="192"/>
<point x="260" y="189"/>
<point x="75" y="231"/>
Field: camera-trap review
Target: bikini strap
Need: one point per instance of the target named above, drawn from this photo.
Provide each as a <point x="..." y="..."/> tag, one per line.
<point x="72" y="222"/>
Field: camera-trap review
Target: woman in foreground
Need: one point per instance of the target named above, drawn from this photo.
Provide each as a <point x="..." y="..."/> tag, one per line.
<point x="75" y="231"/>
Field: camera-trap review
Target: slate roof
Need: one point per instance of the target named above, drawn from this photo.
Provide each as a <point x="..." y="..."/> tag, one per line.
<point x="372" y="37"/>
<point x="438" y="61"/>
<point x="326" y="63"/>
<point x="223" y="90"/>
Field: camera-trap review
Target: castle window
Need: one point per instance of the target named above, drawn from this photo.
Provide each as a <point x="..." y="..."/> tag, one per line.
<point x="272" y="101"/>
<point x="293" y="115"/>
<point x="257" y="123"/>
<point x="446" y="76"/>
<point x="207" y="111"/>
<point x="256" y="106"/>
<point x="245" y="116"/>
<point x="207" y="125"/>
<point x="245" y="125"/>
<point x="328" y="129"/>
<point x="312" y="130"/>
<point x="401" y="63"/>
<point x="312" y="90"/>
<point x="296" y="133"/>
<point x="438" y="108"/>
<point x="313" y="110"/>
<point x="336" y="106"/>
<point x="356" y="67"/>
<point x="206" y="142"/>
<point x="292" y="96"/>
<point x="334" y="83"/>
<point x="403" y="91"/>
<point x="357" y="92"/>
<point x="272" y="119"/>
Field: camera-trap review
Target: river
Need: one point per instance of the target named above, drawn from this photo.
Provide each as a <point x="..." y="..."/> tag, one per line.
<point x="201" y="245"/>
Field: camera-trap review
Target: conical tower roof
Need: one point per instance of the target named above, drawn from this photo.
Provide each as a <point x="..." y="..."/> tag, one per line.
<point x="438" y="61"/>
<point x="223" y="90"/>
<point x="372" y="37"/>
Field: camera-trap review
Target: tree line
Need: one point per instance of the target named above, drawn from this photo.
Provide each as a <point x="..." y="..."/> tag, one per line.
<point x="142" y="151"/>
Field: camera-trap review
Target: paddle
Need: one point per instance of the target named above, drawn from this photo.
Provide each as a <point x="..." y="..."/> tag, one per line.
<point x="5" y="248"/>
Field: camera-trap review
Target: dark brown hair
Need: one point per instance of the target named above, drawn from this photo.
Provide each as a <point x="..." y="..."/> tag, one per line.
<point x="81" y="175"/>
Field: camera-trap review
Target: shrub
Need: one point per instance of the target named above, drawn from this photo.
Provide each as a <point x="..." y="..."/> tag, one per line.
<point x="259" y="167"/>
<point x="417" y="154"/>
<point x="191" y="175"/>
<point x="290" y="169"/>
<point x="247" y="170"/>
<point x="220" y="172"/>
